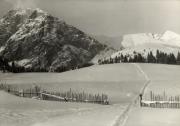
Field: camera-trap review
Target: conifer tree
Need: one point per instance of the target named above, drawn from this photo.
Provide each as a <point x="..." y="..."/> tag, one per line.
<point x="151" y="58"/>
<point x="157" y="56"/>
<point x="125" y="59"/>
<point x="178" y="58"/>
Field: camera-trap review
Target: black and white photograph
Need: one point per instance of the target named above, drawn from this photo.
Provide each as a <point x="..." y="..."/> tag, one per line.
<point x="89" y="62"/>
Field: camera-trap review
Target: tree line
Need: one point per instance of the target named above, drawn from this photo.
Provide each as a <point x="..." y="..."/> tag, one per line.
<point x="160" y="57"/>
<point x="11" y="66"/>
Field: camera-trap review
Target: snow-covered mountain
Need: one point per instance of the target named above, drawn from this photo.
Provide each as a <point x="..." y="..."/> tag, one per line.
<point x="133" y="40"/>
<point x="36" y="39"/>
<point x="143" y="43"/>
<point x="171" y="38"/>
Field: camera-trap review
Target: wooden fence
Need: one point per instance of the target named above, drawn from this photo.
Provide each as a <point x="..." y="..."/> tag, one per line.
<point x="68" y="96"/>
<point x="30" y="93"/>
<point x="161" y="101"/>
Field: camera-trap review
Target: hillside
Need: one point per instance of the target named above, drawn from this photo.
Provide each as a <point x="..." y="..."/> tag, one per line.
<point x="122" y="83"/>
<point x="164" y="78"/>
<point x="121" y="88"/>
<point x="35" y="39"/>
<point x="144" y="44"/>
<point x="94" y="79"/>
<point x="146" y="48"/>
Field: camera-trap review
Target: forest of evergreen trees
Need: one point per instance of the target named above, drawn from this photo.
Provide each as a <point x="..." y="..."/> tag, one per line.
<point x="7" y="66"/>
<point x="160" y="57"/>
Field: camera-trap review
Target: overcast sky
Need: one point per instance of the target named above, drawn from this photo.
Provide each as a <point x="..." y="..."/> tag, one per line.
<point x="109" y="17"/>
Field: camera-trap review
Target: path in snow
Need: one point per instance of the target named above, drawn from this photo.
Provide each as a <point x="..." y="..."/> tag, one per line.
<point x="141" y="70"/>
<point x="145" y="75"/>
<point x="121" y="120"/>
<point x="163" y="78"/>
<point x="120" y="81"/>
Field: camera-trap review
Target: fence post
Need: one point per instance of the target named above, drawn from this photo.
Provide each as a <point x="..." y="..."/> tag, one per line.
<point x="140" y="96"/>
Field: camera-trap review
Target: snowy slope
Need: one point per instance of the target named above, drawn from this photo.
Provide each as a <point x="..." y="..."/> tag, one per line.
<point x="171" y="38"/>
<point x="143" y="43"/>
<point x="104" y="53"/>
<point x="16" y="111"/>
<point x="163" y="78"/>
<point x="133" y="40"/>
<point x="120" y="81"/>
<point x="121" y="88"/>
<point x="144" y="49"/>
<point x="168" y="38"/>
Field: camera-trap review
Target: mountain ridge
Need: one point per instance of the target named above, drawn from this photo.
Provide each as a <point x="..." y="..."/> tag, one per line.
<point x="168" y="37"/>
<point x="37" y="39"/>
<point x="146" y="43"/>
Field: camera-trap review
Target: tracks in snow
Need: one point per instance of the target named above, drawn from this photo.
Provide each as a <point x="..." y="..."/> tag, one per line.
<point x="145" y="75"/>
<point x="141" y="71"/>
<point x="121" y="120"/>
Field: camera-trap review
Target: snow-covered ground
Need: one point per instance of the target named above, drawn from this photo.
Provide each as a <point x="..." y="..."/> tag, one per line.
<point x="163" y="78"/>
<point x="97" y="117"/>
<point x="153" y="117"/>
<point x="122" y="83"/>
<point x="16" y="111"/>
<point x="119" y="81"/>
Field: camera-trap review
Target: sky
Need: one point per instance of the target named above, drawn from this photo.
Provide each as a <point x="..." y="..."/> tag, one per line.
<point x="109" y="17"/>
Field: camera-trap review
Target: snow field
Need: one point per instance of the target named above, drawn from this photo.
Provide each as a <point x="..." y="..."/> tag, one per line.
<point x="163" y="78"/>
<point x="153" y="117"/>
<point x="122" y="83"/>
<point x="16" y="111"/>
<point x="97" y="117"/>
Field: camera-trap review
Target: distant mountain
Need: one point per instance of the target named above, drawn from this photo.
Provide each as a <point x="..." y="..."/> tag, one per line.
<point x="113" y="45"/>
<point x="171" y="38"/>
<point x="114" y="42"/>
<point x="134" y="40"/>
<point x="144" y="43"/>
<point x="33" y="38"/>
<point x="103" y="54"/>
<point x="168" y="38"/>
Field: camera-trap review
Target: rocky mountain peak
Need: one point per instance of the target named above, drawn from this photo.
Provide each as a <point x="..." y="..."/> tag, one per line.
<point x="44" y="41"/>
